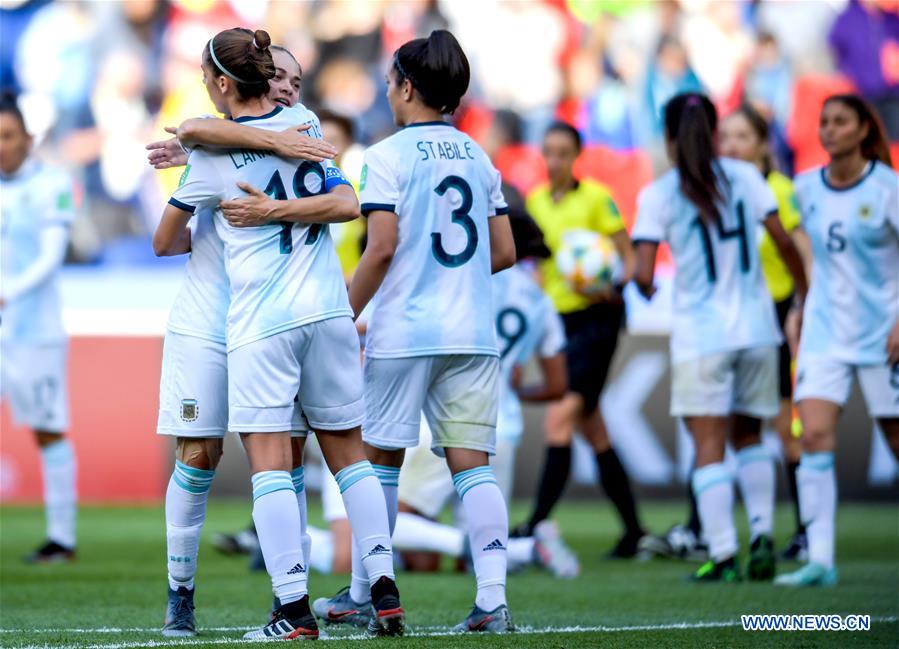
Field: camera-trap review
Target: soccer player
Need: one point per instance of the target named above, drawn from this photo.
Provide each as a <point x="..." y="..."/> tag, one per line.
<point x="724" y="336"/>
<point x="37" y="209"/>
<point x="436" y="231"/>
<point x="289" y="337"/>
<point x="850" y="211"/>
<point x="744" y="136"/>
<point x="193" y="386"/>
<point x="592" y="324"/>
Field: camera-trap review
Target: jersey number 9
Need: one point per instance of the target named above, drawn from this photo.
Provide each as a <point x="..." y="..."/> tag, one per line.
<point x="275" y="189"/>
<point x="459" y="217"/>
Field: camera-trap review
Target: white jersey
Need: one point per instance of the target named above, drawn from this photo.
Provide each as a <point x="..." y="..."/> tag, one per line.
<point x="281" y="275"/>
<point x="35" y="197"/>
<point x="721" y="302"/>
<point x="526" y="324"/>
<point x="853" y="299"/>
<point x="435" y="298"/>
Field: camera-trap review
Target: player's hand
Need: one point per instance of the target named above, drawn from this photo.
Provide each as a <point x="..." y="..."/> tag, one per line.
<point x="252" y="210"/>
<point x="294" y="143"/>
<point x="893" y="345"/>
<point x="166" y="154"/>
<point x="792" y="328"/>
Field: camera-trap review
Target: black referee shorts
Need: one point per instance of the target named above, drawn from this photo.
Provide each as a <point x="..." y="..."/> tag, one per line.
<point x="785" y="373"/>
<point x="592" y="337"/>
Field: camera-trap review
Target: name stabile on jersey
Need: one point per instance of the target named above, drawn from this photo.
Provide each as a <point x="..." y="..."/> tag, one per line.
<point x="443" y="150"/>
<point x="242" y="157"/>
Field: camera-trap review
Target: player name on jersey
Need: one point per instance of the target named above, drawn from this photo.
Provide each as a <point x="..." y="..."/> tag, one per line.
<point x="444" y="150"/>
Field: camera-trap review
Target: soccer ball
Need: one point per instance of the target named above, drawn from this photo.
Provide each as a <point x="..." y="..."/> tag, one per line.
<point x="588" y="261"/>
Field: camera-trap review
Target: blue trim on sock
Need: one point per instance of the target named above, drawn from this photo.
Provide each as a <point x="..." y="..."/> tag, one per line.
<point x="817" y="461"/>
<point x="192" y="480"/>
<point x="298" y="476"/>
<point x="350" y="475"/>
<point x="754" y="453"/>
<point x="388" y="476"/>
<point x="709" y="476"/>
<point x="465" y="480"/>
<point x="266" y="482"/>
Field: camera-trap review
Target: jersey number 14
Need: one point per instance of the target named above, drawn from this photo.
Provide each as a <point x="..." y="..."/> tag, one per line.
<point x="739" y="232"/>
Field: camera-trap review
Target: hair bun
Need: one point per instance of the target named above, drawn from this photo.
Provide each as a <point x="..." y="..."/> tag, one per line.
<point x="261" y="39"/>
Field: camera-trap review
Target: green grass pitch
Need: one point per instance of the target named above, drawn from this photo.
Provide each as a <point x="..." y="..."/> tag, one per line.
<point x="113" y="597"/>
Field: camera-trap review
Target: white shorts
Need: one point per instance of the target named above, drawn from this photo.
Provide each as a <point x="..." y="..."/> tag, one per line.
<point x="458" y="395"/>
<point x="34" y="378"/>
<point x="193" y="389"/>
<point x="743" y="382"/>
<point x="315" y="365"/>
<point x="819" y="377"/>
<point x="427" y="485"/>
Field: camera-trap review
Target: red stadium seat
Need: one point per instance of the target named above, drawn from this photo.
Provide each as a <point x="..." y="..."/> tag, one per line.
<point x="625" y="173"/>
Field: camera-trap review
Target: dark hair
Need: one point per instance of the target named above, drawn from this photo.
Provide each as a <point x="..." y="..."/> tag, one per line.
<point x="528" y="237"/>
<point x="9" y="104"/>
<point x="243" y="56"/>
<point x="289" y="53"/>
<point x="509" y="122"/>
<point x="437" y="68"/>
<point x="690" y="124"/>
<point x="343" y="122"/>
<point x="875" y="146"/>
<point x="566" y="128"/>
<point x="762" y="131"/>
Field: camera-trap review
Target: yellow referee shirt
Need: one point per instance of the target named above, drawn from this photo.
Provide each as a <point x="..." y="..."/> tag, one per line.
<point x="589" y="206"/>
<point x="778" y="278"/>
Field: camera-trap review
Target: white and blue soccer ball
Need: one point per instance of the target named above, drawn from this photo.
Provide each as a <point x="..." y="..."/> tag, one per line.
<point x="588" y="261"/>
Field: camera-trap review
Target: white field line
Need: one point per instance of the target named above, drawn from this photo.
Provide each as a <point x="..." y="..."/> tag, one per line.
<point x="431" y="631"/>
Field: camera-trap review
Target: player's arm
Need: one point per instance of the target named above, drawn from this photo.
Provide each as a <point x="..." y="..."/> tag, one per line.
<point x="645" y="267"/>
<point x="52" y="242"/>
<point x="172" y="236"/>
<point x="290" y="143"/>
<point x="382" y="241"/>
<point x="788" y="252"/>
<point x="257" y="208"/>
<point x="502" y="245"/>
<point x="555" y="381"/>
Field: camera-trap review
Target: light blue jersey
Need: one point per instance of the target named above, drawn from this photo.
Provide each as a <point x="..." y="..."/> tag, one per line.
<point x="281" y="275"/>
<point x="853" y="299"/>
<point x="527" y="324"/>
<point x="34" y="198"/>
<point x="721" y="302"/>
<point x="435" y="298"/>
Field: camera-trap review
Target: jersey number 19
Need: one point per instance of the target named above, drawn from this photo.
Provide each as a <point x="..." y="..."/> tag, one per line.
<point x="275" y="189"/>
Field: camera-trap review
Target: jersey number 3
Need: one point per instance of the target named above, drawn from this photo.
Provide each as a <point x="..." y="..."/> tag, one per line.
<point x="460" y="217"/>
<point x="275" y="189"/>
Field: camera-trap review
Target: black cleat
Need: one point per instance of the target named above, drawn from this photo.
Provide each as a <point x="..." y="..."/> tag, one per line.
<point x="797" y="548"/>
<point x="51" y="552"/>
<point x="388" y="618"/>
<point x="723" y="571"/>
<point x="179" y="614"/>
<point x="293" y="621"/>
<point x="626" y="548"/>
<point x="243" y="542"/>
<point x="762" y="564"/>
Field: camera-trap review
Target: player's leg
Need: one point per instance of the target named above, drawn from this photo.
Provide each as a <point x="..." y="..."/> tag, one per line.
<point x="298" y="477"/>
<point x="880" y="386"/>
<point x="332" y="399"/>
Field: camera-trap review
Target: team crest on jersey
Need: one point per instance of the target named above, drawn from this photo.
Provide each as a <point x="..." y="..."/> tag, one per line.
<point x="865" y="212"/>
<point x="363" y="177"/>
<point x="189" y="409"/>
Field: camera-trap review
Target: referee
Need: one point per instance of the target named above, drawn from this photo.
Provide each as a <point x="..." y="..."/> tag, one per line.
<point x="592" y="323"/>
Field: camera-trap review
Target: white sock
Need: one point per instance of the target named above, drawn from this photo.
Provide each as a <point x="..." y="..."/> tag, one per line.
<point x="755" y="476"/>
<point x="714" y="491"/>
<point x="418" y="534"/>
<point x="321" y="556"/>
<point x="360" y="590"/>
<point x="521" y="551"/>
<point x="488" y="533"/>
<point x="277" y="520"/>
<point x="60" y="495"/>
<point x="363" y="499"/>
<point x="389" y="477"/>
<point x="185" y="511"/>
<point x="299" y="486"/>
<point x="817" y="484"/>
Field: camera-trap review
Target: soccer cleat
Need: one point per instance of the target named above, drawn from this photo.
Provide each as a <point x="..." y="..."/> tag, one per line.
<point x="552" y="552"/>
<point x="679" y="542"/>
<point x="388" y="617"/>
<point x="499" y="620"/>
<point x="341" y="609"/>
<point x="811" y="574"/>
<point x="625" y="548"/>
<point x="179" y="614"/>
<point x="51" y="552"/>
<point x="523" y="530"/>
<point x="762" y="564"/>
<point x="722" y="571"/>
<point x="243" y="542"/>
<point x="797" y="548"/>
<point x="293" y="621"/>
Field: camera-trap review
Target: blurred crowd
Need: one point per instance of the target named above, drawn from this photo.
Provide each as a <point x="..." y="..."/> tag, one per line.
<point x="98" y="80"/>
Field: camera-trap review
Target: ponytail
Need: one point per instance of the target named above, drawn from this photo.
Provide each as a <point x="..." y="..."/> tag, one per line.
<point x="690" y="124"/>
<point x="436" y="67"/>
<point x="875" y="146"/>
<point x="244" y="57"/>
